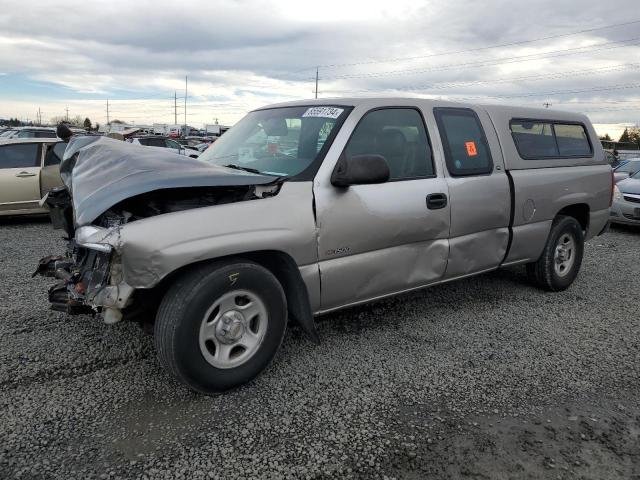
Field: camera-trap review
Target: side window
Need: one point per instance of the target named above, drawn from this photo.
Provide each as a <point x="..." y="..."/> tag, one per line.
<point x="22" y="155"/>
<point x="534" y="139"/>
<point x="45" y="134"/>
<point x="153" y="142"/>
<point x="572" y="140"/>
<point x="465" y="146"/>
<point x="172" y="144"/>
<point x="540" y="139"/>
<point x="399" y="135"/>
<point x="55" y="154"/>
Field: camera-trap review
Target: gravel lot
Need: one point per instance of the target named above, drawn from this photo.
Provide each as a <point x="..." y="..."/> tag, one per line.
<point x="483" y="378"/>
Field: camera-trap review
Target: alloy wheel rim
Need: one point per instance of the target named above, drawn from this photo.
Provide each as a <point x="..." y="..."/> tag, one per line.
<point x="233" y="329"/>
<point x="564" y="256"/>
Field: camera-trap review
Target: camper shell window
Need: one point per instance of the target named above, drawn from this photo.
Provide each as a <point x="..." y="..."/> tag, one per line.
<point x="548" y="139"/>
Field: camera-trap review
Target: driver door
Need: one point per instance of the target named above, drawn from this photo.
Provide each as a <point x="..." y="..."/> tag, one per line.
<point x="376" y="240"/>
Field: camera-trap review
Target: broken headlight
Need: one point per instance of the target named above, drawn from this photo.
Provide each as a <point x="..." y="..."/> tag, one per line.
<point x="96" y="238"/>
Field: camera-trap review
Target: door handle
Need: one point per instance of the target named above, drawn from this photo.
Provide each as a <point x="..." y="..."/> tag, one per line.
<point x="436" y="201"/>
<point x="25" y="174"/>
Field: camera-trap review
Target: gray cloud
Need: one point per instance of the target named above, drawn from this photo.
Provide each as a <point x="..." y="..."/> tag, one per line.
<point x="251" y="49"/>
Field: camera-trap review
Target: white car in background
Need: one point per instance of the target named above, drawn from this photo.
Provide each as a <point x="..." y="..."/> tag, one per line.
<point x="628" y="168"/>
<point x="29" y="168"/>
<point x="164" y="142"/>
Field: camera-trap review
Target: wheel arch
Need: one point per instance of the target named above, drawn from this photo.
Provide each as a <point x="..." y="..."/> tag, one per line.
<point x="579" y="211"/>
<point x="286" y="271"/>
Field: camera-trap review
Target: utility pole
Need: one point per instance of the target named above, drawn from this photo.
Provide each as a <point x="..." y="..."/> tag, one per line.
<point x="107" y="111"/>
<point x="547" y="104"/>
<point x="175" y="107"/>
<point x="67" y="110"/>
<point x="39" y="117"/>
<point x="317" y="82"/>
<point x="185" y="105"/>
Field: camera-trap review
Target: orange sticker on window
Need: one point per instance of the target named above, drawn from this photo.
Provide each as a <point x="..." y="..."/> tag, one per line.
<point x="471" y="148"/>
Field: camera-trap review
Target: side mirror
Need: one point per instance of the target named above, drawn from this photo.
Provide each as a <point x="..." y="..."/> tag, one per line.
<point x="360" y="170"/>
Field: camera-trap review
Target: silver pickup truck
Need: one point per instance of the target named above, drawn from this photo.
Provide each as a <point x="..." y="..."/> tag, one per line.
<point x="307" y="207"/>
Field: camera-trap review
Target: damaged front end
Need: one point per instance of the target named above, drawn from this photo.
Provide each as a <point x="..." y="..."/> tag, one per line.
<point x="89" y="276"/>
<point x="109" y="185"/>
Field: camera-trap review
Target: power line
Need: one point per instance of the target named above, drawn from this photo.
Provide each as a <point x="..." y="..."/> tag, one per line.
<point x="486" y="63"/>
<point x="478" y="49"/>
<point x="441" y="86"/>
<point x="560" y="92"/>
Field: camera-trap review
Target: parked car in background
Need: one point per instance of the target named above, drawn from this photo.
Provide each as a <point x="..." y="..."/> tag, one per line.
<point x="34" y="132"/>
<point x="29" y="168"/>
<point x="628" y="154"/>
<point x="626" y="169"/>
<point x="201" y="147"/>
<point x="193" y="141"/>
<point x="7" y="133"/>
<point x="626" y="201"/>
<point x="612" y="160"/>
<point x="164" y="142"/>
<point x="307" y="207"/>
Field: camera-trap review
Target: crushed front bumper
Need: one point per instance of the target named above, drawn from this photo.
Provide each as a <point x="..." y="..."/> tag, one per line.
<point x="89" y="281"/>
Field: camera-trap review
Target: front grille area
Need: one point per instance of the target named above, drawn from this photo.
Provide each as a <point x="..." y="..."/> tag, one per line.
<point x="631" y="199"/>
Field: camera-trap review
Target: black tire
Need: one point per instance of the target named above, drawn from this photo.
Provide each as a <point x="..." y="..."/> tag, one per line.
<point x="181" y="313"/>
<point x="542" y="272"/>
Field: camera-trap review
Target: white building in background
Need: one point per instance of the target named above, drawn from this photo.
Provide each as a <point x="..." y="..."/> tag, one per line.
<point x="215" y="129"/>
<point x="121" y="127"/>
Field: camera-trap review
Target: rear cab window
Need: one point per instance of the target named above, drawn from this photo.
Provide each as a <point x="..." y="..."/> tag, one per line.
<point x="466" y="149"/>
<point x="544" y="139"/>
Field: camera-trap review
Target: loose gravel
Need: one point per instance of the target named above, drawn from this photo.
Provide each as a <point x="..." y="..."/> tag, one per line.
<point x="482" y="378"/>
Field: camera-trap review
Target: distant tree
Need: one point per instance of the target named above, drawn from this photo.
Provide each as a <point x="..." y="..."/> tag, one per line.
<point x="116" y="121"/>
<point x="97" y="127"/>
<point x="58" y="120"/>
<point x="605" y="137"/>
<point x="625" y="136"/>
<point x="87" y="123"/>
<point x="634" y="135"/>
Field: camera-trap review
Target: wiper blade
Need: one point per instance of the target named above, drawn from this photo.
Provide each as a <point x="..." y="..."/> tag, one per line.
<point x="246" y="169"/>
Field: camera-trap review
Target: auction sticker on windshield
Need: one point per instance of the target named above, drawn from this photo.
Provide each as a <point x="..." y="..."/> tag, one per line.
<point x="323" y="112"/>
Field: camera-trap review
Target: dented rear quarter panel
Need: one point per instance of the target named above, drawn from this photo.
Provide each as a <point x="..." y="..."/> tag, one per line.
<point x="156" y="246"/>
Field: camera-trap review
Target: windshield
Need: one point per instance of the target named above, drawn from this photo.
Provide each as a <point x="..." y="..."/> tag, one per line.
<point x="278" y="141"/>
<point x="632" y="166"/>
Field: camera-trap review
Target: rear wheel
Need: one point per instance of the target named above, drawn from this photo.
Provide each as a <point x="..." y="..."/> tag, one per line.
<point x="220" y="325"/>
<point x="561" y="258"/>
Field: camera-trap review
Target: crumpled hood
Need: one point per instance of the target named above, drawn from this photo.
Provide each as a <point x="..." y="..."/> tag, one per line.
<point x="100" y="172"/>
<point x="630" y="185"/>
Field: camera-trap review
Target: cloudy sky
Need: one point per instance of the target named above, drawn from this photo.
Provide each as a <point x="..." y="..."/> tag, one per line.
<point x="238" y="55"/>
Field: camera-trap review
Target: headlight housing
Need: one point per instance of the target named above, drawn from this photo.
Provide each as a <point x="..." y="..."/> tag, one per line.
<point x="96" y="238"/>
<point x="617" y="194"/>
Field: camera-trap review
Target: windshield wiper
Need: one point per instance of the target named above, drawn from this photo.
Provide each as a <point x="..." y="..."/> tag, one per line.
<point x="246" y="169"/>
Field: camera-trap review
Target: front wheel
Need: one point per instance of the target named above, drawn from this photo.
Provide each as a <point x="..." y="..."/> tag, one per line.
<point x="561" y="258"/>
<point x="220" y="325"/>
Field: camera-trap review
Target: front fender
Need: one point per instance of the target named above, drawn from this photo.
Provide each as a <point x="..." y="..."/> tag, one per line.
<point x="154" y="247"/>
